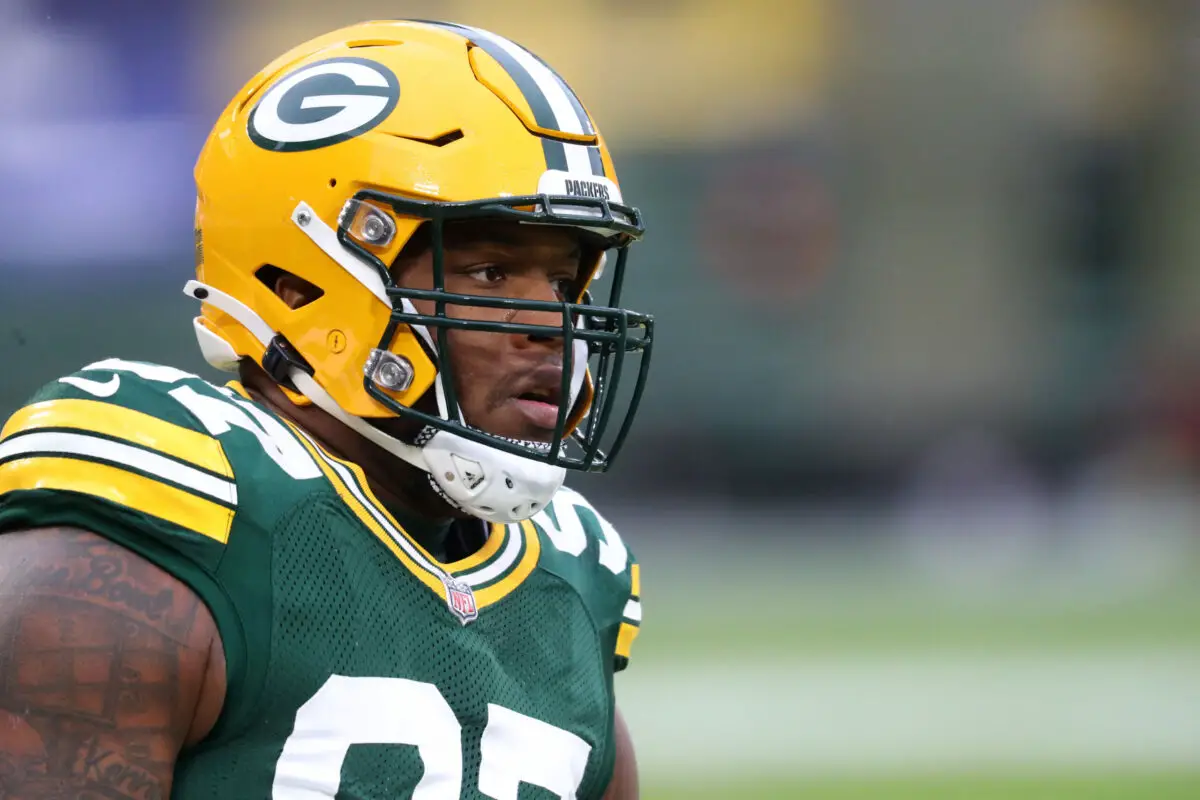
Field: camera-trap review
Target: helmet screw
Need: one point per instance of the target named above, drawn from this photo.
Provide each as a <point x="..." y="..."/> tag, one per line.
<point x="391" y="375"/>
<point x="449" y="476"/>
<point x="375" y="230"/>
<point x="303" y="218"/>
<point x="390" y="371"/>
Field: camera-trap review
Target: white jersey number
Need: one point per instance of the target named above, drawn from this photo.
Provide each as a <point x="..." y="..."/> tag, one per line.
<point x="219" y="416"/>
<point x="565" y="530"/>
<point x="515" y="749"/>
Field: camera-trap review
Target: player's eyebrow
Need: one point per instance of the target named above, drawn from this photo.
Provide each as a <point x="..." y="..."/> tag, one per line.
<point x="499" y="236"/>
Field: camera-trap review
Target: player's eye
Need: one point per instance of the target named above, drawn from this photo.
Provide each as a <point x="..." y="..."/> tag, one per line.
<point x="564" y="288"/>
<point x="488" y="274"/>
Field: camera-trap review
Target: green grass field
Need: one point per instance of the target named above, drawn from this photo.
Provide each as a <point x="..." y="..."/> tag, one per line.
<point x="1127" y="787"/>
<point x="850" y="679"/>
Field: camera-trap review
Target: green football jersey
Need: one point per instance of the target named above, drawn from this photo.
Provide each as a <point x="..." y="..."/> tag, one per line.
<point x="358" y="666"/>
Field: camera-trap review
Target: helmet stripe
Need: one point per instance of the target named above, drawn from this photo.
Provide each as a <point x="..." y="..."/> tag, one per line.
<point x="536" y="78"/>
<point x="585" y="122"/>
<point x="556" y="154"/>
<point x="579" y="160"/>
<point x="597" y="161"/>
<point x="555" y="106"/>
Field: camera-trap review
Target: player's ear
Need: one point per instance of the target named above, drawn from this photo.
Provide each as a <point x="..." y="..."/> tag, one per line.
<point x="291" y="289"/>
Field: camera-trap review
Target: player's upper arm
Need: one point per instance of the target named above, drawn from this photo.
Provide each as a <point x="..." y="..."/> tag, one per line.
<point x="108" y="667"/>
<point x="624" y="783"/>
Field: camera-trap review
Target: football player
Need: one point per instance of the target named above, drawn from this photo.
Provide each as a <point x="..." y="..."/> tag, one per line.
<point x="353" y="572"/>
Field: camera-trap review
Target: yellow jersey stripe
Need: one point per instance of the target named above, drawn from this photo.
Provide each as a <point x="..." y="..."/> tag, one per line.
<point x="529" y="561"/>
<point x="351" y="502"/>
<point x="497" y="533"/>
<point x="123" y="488"/>
<point x="483" y="597"/>
<point x="92" y="416"/>
<point x="95" y="448"/>
<point x="625" y="637"/>
<point x="497" y="537"/>
<point x="631" y="625"/>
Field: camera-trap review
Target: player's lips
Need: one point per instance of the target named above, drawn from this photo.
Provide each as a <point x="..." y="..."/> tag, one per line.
<point x="539" y="395"/>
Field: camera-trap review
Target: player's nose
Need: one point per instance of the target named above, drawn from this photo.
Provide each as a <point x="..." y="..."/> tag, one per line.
<point x="544" y="291"/>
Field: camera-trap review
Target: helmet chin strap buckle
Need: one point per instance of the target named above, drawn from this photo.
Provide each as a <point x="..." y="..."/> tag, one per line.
<point x="280" y="359"/>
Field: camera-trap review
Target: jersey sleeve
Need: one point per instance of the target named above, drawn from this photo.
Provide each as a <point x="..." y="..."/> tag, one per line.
<point x="591" y="555"/>
<point x="631" y="618"/>
<point x="109" y="451"/>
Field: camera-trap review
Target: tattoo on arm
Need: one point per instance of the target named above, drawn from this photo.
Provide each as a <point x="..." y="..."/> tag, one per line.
<point x="102" y="658"/>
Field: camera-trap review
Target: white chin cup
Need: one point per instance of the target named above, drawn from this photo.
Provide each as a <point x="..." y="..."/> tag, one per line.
<point x="489" y="483"/>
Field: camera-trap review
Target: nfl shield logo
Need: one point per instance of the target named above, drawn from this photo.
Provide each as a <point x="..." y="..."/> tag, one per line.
<point x="461" y="599"/>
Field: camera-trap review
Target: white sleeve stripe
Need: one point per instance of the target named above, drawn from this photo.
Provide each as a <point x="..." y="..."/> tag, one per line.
<point x="633" y="610"/>
<point x="75" y="444"/>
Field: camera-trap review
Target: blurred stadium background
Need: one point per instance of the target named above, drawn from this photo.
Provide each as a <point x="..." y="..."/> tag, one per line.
<point x="916" y="481"/>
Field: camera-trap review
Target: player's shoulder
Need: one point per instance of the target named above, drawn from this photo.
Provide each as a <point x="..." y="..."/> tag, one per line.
<point x="120" y="439"/>
<point x="126" y="414"/>
<point x="583" y="548"/>
<point x="574" y="527"/>
<point x="166" y="409"/>
<point x="113" y="391"/>
<point x="107" y="449"/>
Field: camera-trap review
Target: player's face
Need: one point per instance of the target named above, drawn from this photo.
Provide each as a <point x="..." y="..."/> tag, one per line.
<point x="507" y="384"/>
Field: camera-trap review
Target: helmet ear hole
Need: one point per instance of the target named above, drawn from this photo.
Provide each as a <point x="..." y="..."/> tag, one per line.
<point x="293" y="290"/>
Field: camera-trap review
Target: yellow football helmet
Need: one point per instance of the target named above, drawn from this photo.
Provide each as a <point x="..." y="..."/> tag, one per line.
<point x="329" y="161"/>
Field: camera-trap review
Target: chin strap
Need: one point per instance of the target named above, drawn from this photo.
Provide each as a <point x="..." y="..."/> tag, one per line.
<point x="307" y="386"/>
<point x="484" y="482"/>
<point x="409" y="453"/>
